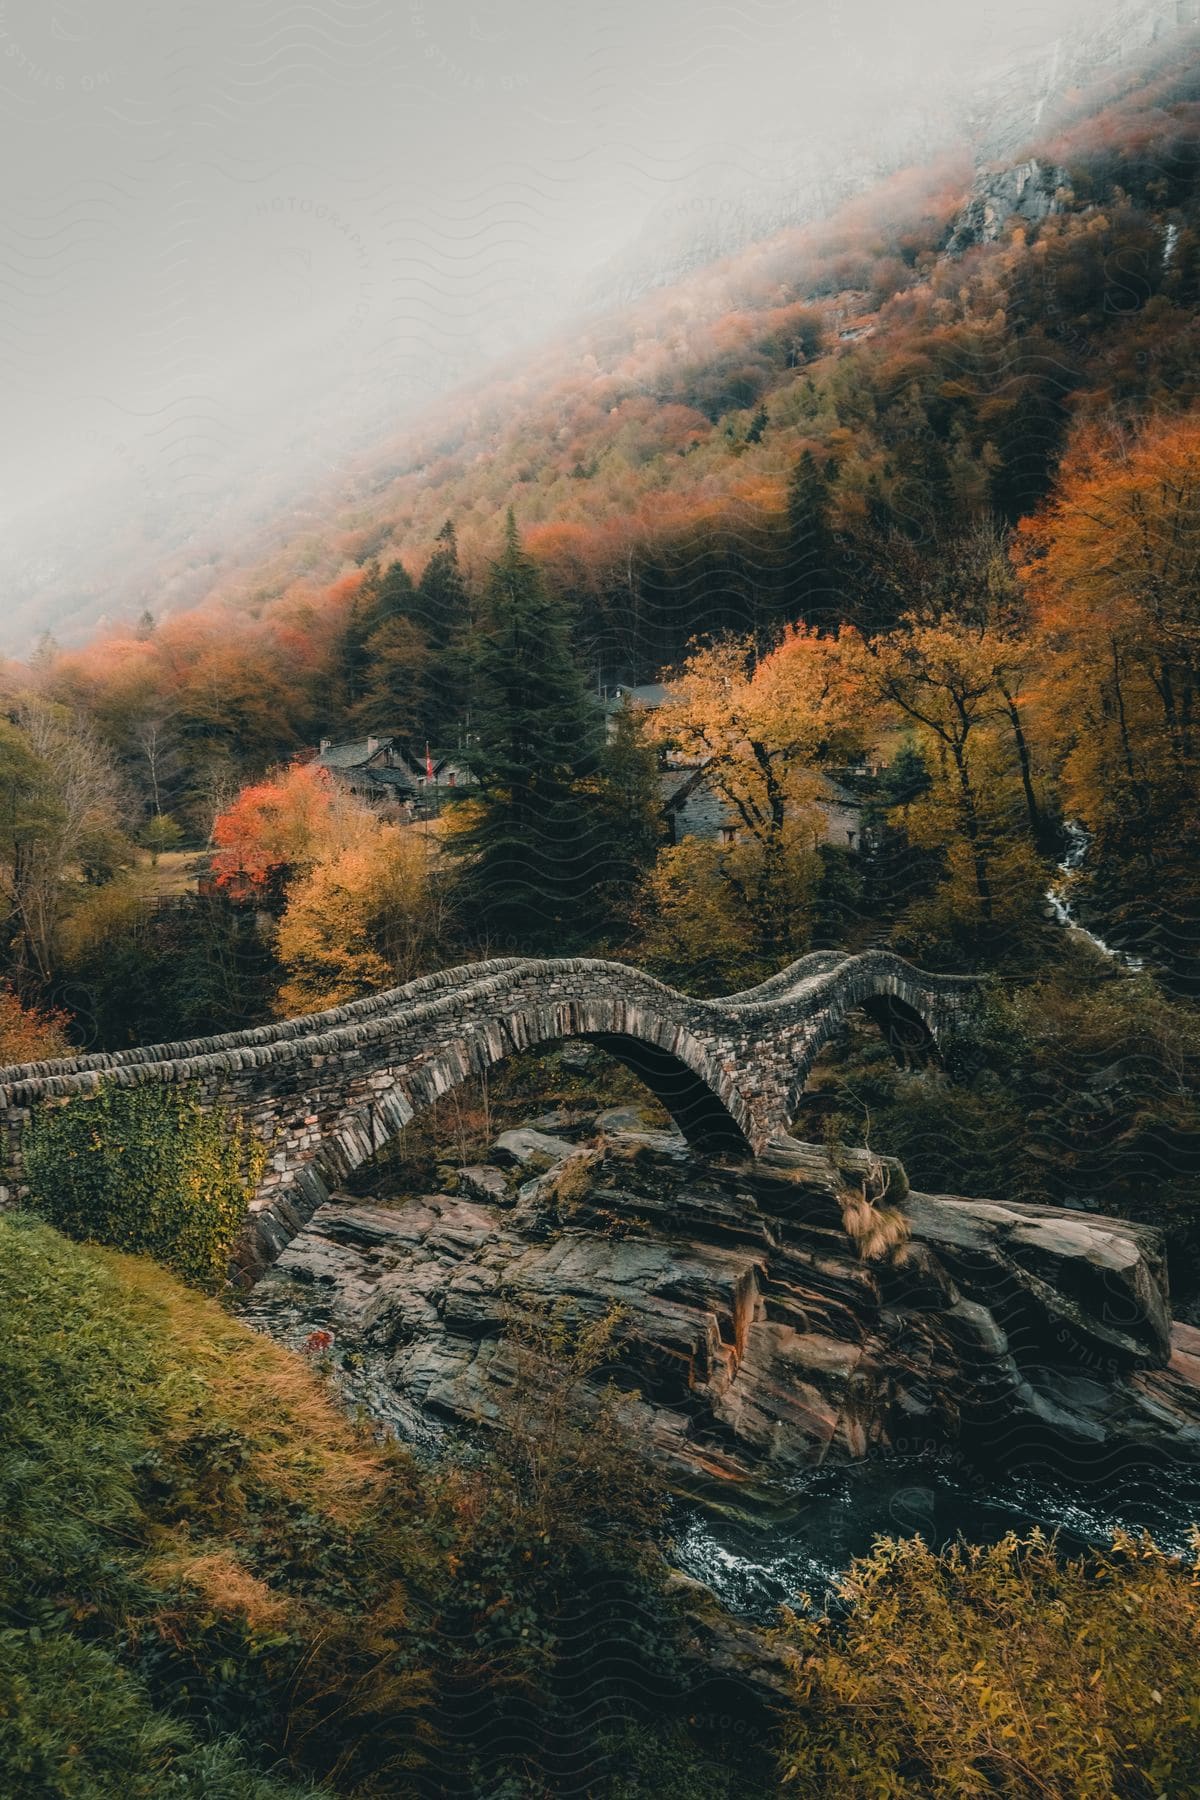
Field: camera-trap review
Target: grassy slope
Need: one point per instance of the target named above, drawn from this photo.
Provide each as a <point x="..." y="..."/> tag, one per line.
<point x="213" y="1585"/>
<point x="178" y="1499"/>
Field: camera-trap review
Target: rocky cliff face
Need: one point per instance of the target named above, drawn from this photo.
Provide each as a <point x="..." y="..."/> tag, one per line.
<point x="1026" y="193"/>
<point x="758" y="1340"/>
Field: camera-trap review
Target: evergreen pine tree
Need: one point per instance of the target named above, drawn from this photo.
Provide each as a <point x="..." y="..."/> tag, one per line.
<point x="811" y="569"/>
<point x="386" y="595"/>
<point x="906" y="777"/>
<point x="444" y="609"/>
<point x="757" y="426"/>
<point x="531" y="853"/>
<point x="396" y="681"/>
<point x="629" y="819"/>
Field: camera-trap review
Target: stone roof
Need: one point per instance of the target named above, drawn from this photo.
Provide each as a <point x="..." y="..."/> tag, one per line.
<point x="674" y="785"/>
<point x="396" y="778"/>
<point x="650" y="693"/>
<point x="351" y="755"/>
<point x="838" y="791"/>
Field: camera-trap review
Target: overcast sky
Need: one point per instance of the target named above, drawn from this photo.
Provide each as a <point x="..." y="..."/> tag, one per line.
<point x="235" y="231"/>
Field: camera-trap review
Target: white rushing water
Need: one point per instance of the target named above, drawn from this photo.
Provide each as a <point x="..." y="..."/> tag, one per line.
<point x="832" y="1515"/>
<point x="1058" y="898"/>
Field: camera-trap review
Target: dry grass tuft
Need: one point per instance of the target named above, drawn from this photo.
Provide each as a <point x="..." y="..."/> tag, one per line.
<point x="877" y="1230"/>
<point x="226" y="1586"/>
<point x="570" y="1182"/>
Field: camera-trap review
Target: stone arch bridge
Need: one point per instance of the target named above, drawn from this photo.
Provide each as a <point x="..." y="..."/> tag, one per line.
<point x="325" y="1092"/>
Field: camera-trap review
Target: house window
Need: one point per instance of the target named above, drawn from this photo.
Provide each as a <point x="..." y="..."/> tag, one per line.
<point x="729" y="834"/>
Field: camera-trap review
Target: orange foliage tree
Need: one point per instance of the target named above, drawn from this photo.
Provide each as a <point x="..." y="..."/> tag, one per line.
<point x="1112" y="562"/>
<point x="29" y="1034"/>
<point x="762" y="726"/>
<point x="282" y="827"/>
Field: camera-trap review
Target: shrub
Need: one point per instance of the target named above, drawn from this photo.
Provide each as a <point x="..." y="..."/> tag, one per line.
<point x="1080" y="1088"/>
<point x="28" y="1034"/>
<point x="999" y="1670"/>
<point x="146" y="1169"/>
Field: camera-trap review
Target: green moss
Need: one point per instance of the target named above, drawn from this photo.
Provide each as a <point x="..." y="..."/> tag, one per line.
<point x="146" y="1169"/>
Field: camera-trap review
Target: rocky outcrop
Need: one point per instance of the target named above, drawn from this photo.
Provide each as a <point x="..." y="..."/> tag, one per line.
<point x="532" y="1145"/>
<point x="1027" y="193"/>
<point x="758" y="1342"/>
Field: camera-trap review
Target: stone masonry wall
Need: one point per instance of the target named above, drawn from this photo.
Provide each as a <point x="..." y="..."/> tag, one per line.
<point x="324" y="1092"/>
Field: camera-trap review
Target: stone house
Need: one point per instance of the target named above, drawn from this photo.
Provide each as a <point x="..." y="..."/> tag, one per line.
<point x="372" y="768"/>
<point x="649" y="695"/>
<point x="693" y="807"/>
<point x="392" y="773"/>
<point x="436" y="769"/>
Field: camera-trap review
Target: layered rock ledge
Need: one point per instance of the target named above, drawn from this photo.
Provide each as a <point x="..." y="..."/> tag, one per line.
<point x="759" y="1342"/>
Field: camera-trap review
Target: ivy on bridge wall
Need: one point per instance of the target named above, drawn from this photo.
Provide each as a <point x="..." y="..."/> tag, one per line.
<point x="148" y="1170"/>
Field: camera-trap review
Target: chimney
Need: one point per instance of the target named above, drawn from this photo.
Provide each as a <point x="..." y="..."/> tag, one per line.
<point x="325" y="744"/>
<point x="372" y="745"/>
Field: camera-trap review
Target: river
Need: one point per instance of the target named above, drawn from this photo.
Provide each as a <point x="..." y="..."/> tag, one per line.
<point x="833" y="1514"/>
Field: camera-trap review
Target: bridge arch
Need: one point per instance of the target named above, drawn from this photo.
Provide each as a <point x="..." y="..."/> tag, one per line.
<point x="912" y="1019"/>
<point x="324" y="1093"/>
<point x="909" y="1035"/>
<point x="675" y="1065"/>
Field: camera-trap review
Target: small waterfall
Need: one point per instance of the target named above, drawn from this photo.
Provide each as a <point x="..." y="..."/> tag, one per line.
<point x="1058" y="897"/>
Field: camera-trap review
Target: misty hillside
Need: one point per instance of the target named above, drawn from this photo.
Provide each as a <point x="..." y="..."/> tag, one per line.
<point x="775" y="183"/>
<point x="637" y="413"/>
<point x="930" y="343"/>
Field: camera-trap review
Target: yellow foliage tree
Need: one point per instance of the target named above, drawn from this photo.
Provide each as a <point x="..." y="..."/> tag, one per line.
<point x="366" y="919"/>
<point x="695" y="932"/>
<point x="960" y="681"/>
<point x="761" y="727"/>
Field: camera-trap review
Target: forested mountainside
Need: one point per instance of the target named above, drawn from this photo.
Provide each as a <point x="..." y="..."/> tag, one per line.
<point x="904" y="420"/>
<point x="909" y="406"/>
<point x="934" y="376"/>
<point x="137" y="538"/>
<point x="906" y="502"/>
